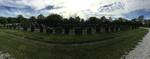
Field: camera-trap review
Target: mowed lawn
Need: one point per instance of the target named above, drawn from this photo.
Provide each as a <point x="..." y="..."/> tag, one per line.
<point x="29" y="45"/>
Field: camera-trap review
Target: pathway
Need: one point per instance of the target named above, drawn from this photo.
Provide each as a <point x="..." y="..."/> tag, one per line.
<point x="142" y="50"/>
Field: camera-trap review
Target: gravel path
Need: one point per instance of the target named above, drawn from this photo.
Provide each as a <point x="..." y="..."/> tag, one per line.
<point x="5" y="56"/>
<point x="142" y="51"/>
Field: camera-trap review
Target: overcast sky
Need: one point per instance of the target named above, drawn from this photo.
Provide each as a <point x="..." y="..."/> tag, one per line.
<point x="83" y="8"/>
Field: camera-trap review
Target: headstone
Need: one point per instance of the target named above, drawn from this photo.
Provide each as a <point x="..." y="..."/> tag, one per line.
<point x="102" y="29"/>
<point x="93" y="31"/>
<point x="84" y="31"/>
<point x="63" y="31"/>
<point x="72" y="31"/>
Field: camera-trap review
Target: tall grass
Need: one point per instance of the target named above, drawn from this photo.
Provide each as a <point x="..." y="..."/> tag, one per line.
<point x="28" y="45"/>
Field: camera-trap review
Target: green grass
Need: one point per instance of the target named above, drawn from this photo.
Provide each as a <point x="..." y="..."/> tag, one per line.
<point x="28" y="45"/>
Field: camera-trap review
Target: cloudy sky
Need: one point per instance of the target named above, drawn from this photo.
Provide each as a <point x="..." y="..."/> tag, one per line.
<point x="83" y="8"/>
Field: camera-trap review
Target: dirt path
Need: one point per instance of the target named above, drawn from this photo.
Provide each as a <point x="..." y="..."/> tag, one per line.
<point x="142" y="51"/>
<point x="5" y="56"/>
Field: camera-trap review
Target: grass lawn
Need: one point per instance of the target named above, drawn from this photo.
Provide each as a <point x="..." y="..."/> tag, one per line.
<point x="28" y="45"/>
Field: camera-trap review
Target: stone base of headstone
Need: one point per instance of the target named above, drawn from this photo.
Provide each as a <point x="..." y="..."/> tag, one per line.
<point x="53" y="31"/>
<point x="84" y="32"/>
<point x="102" y="30"/>
<point x="72" y="32"/>
<point x="63" y="31"/>
<point x="93" y="31"/>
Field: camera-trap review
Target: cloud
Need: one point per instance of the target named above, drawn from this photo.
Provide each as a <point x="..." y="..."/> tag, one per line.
<point x="67" y="8"/>
<point x="137" y="13"/>
<point x="26" y="7"/>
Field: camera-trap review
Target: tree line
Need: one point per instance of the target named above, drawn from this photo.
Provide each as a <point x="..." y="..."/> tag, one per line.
<point x="55" y="23"/>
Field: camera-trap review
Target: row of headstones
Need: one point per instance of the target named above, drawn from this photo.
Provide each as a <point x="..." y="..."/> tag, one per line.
<point x="71" y="31"/>
<point x="75" y="31"/>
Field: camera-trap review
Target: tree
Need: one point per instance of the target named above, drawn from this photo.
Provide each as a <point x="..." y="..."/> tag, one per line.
<point x="93" y="20"/>
<point x="110" y="19"/>
<point x="141" y="20"/>
<point x="40" y="18"/>
<point x="24" y="22"/>
<point x="40" y="21"/>
<point x="20" y="18"/>
<point x="32" y="19"/>
<point x="3" y="21"/>
<point x="53" y="20"/>
<point x="103" y="19"/>
<point x="33" y="23"/>
<point x="57" y="23"/>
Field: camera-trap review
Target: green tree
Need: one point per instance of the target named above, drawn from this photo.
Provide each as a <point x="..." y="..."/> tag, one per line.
<point x="40" y="21"/>
<point x="53" y="20"/>
<point x="32" y="23"/>
<point x="141" y="20"/>
<point x="24" y="22"/>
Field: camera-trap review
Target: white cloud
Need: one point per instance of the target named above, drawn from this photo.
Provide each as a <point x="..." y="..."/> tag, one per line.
<point x="79" y="7"/>
<point x="37" y="4"/>
<point x="83" y="8"/>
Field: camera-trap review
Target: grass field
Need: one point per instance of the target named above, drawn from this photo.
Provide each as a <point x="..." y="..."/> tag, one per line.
<point x="28" y="45"/>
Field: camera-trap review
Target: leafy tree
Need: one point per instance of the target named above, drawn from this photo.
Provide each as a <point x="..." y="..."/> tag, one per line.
<point x="3" y="20"/>
<point x="141" y="20"/>
<point x="58" y="22"/>
<point x="40" y="21"/>
<point x="32" y="19"/>
<point x="33" y="23"/>
<point x="103" y="19"/>
<point x="24" y="22"/>
<point x="93" y="20"/>
<point x="53" y="20"/>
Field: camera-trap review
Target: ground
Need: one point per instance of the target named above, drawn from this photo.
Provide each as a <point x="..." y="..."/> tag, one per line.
<point x="142" y="50"/>
<point x="28" y="45"/>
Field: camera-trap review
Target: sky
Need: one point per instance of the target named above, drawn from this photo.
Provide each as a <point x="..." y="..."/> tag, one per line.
<point x="83" y="8"/>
